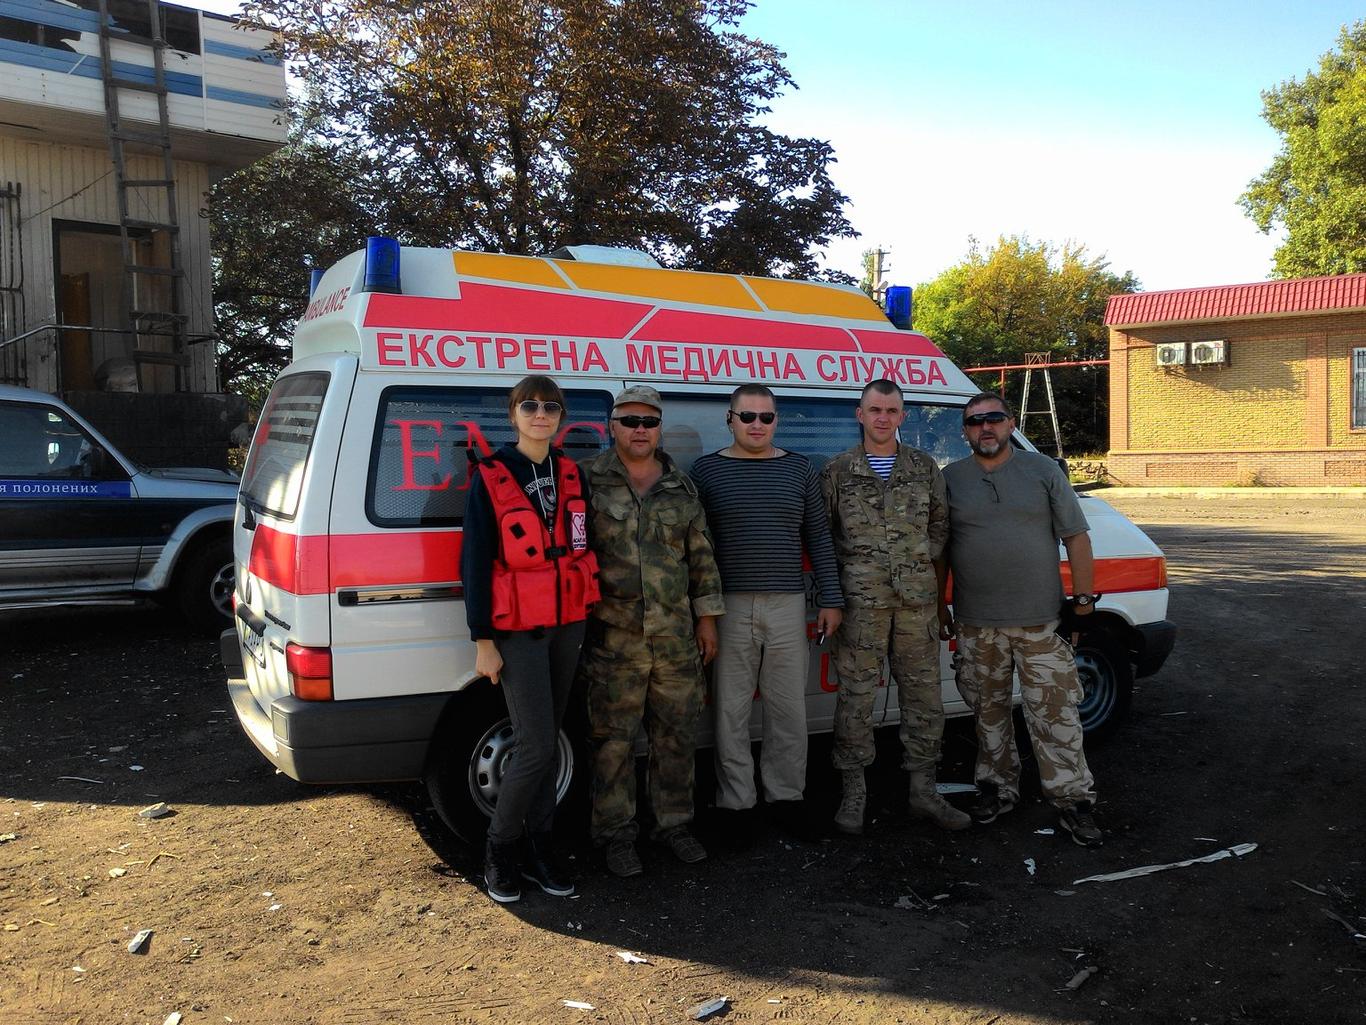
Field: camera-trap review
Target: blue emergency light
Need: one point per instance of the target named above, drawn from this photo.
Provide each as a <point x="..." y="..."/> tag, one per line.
<point x="315" y="277"/>
<point x="899" y="306"/>
<point x="381" y="264"/>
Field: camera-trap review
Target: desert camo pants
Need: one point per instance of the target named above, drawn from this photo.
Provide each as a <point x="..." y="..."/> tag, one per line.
<point x="1051" y="691"/>
<point x="634" y="680"/>
<point x="908" y="637"/>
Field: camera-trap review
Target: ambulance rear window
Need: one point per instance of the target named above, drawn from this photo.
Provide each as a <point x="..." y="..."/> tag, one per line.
<point x="274" y="473"/>
<point x="419" y="470"/>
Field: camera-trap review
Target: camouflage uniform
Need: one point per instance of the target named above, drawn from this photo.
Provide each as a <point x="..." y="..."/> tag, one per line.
<point x="657" y="572"/>
<point x="1051" y="691"/>
<point x="886" y="535"/>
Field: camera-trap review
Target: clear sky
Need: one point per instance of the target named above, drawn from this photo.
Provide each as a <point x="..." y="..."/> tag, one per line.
<point x="1129" y="128"/>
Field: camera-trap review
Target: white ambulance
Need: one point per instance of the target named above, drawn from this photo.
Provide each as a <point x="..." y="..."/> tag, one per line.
<point x="350" y="660"/>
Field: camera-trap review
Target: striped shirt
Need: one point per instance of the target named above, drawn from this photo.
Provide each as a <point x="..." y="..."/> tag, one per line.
<point x="762" y="514"/>
<point x="882" y="465"/>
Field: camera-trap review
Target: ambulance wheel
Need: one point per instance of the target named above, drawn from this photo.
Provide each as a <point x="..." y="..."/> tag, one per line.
<point x="1107" y="682"/>
<point x="471" y="757"/>
<point x="204" y="584"/>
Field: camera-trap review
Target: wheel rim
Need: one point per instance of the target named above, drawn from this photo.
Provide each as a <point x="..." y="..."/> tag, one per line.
<point x="220" y="589"/>
<point x="491" y="759"/>
<point x="1100" y="690"/>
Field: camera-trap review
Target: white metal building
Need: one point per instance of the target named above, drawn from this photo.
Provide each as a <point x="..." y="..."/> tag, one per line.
<point x="68" y="198"/>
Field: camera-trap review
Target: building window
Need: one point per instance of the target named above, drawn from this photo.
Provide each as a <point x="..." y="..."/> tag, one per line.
<point x="1359" y="389"/>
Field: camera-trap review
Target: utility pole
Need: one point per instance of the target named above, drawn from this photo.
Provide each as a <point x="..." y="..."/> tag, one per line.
<point x="875" y="271"/>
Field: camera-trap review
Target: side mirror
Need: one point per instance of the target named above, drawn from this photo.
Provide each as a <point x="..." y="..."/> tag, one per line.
<point x="1062" y="463"/>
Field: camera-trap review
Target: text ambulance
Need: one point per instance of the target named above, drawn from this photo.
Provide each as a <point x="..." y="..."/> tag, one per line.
<point x="350" y="660"/>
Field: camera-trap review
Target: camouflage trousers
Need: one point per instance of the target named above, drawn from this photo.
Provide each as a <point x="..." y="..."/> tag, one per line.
<point x="867" y="638"/>
<point x="1051" y="690"/>
<point x="634" y="680"/>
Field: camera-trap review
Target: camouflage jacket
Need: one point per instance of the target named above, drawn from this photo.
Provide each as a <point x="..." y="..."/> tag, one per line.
<point x="656" y="566"/>
<point x="886" y="533"/>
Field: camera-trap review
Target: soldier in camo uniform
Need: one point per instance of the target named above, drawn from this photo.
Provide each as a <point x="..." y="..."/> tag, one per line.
<point x="889" y="520"/>
<point x="1008" y="509"/>
<point x="651" y="634"/>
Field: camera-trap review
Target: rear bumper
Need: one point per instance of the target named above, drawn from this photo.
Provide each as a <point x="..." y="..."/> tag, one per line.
<point x="377" y="740"/>
<point x="1155" y="643"/>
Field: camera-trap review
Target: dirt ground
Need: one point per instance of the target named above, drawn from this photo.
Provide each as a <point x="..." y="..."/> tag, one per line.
<point x="279" y="904"/>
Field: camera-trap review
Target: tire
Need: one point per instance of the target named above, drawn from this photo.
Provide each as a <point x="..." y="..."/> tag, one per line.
<point x="204" y="583"/>
<point x="1107" y="681"/>
<point x="470" y="757"/>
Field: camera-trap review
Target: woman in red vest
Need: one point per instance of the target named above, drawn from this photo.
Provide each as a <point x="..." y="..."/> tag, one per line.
<point x="530" y="579"/>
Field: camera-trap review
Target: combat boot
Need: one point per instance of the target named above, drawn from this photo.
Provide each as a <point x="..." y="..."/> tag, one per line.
<point x="925" y="803"/>
<point x="849" y="818"/>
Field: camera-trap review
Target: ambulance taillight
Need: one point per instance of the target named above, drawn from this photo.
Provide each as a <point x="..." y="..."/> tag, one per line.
<point x="310" y="672"/>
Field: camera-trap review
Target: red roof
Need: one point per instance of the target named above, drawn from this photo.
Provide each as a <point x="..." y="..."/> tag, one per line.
<point x="1229" y="302"/>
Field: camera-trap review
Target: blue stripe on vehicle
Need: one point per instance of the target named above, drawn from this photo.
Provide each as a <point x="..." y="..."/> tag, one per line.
<point x="49" y="490"/>
<point x="245" y="53"/>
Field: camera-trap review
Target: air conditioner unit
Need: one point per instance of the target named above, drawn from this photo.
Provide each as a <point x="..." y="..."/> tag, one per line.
<point x="1204" y="354"/>
<point x="1172" y="354"/>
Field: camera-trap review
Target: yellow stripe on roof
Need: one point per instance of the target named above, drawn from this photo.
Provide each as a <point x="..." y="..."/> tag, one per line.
<point x="525" y="270"/>
<point x="807" y="297"/>
<point x="685" y="286"/>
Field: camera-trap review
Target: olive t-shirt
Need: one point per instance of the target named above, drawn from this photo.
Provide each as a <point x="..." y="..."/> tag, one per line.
<point x="1004" y="528"/>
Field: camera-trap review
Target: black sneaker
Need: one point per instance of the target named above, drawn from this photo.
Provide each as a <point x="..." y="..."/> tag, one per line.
<point x="543" y="867"/>
<point x="502" y="871"/>
<point x="991" y="804"/>
<point x="1077" y="820"/>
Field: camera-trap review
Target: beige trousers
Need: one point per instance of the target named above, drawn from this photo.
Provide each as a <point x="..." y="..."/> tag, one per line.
<point x="762" y="644"/>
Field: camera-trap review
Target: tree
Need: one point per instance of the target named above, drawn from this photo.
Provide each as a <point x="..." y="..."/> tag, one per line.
<point x="305" y="206"/>
<point x="1315" y="187"/>
<point x="519" y="126"/>
<point x="1021" y="297"/>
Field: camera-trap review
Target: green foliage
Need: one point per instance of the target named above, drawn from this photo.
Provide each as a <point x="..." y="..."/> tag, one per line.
<point x="304" y="206"/>
<point x="520" y="126"/>
<point x="1022" y="297"/>
<point x="1315" y="188"/>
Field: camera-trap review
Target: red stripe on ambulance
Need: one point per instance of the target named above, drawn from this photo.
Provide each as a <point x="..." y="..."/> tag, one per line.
<point x="319" y="564"/>
<point x="898" y="343"/>
<point x="490" y="309"/>
<point x="711" y="329"/>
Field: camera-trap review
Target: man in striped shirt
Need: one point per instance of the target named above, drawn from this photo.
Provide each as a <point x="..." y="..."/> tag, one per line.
<point x="764" y="507"/>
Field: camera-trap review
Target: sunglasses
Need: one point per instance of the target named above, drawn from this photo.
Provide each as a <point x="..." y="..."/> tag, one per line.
<point x="748" y="416"/>
<point x="531" y="407"/>
<point x="632" y="422"/>
<point x="978" y="419"/>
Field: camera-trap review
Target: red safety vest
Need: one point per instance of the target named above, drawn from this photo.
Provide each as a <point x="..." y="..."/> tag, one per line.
<point x="541" y="577"/>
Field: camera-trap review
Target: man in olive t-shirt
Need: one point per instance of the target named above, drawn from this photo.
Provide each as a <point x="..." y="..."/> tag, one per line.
<point x="1008" y="509"/>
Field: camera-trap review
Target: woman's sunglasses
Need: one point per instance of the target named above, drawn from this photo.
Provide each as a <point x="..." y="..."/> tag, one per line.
<point x="748" y="416"/>
<point x="632" y="422"/>
<point x="531" y="407"/>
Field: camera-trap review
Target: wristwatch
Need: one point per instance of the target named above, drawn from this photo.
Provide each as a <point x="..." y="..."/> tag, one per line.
<point x="1083" y="600"/>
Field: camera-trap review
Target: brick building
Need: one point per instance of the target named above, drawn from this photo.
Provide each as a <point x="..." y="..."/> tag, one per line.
<point x="1240" y="384"/>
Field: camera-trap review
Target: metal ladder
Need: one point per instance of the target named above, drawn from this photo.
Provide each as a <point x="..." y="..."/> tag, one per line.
<point x="1042" y="361"/>
<point x="143" y="322"/>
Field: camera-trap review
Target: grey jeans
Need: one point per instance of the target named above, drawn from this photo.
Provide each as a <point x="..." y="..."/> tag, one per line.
<point x="538" y="674"/>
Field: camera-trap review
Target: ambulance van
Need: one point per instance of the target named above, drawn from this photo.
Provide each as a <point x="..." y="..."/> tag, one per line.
<point x="350" y="660"/>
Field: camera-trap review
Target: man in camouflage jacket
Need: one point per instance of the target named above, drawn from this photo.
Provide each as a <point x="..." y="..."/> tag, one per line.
<point x="649" y="636"/>
<point x="889" y="518"/>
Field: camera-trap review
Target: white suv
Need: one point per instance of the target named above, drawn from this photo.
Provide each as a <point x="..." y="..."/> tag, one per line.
<point x="80" y="523"/>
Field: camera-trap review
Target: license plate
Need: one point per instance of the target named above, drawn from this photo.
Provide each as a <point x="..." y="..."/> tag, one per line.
<point x="255" y="644"/>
